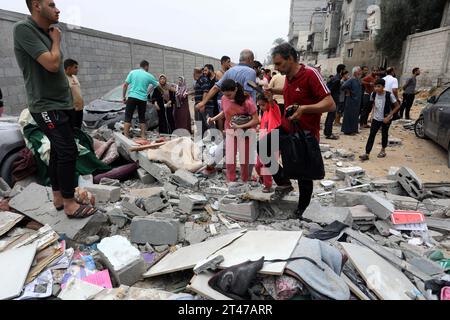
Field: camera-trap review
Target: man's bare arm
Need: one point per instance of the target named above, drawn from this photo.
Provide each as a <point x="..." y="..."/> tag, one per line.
<point x="124" y="92"/>
<point x="214" y="90"/>
<point x="51" y="60"/>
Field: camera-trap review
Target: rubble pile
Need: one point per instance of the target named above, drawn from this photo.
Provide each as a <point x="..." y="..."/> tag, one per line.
<point x="165" y="232"/>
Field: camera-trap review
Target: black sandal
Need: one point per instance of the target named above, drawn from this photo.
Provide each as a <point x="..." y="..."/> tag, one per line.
<point x="84" y="211"/>
<point x="281" y="192"/>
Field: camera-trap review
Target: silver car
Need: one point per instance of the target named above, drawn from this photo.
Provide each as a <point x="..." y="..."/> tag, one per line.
<point x="110" y="109"/>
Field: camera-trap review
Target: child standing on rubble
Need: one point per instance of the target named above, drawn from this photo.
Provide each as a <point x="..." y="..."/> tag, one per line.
<point x="236" y="102"/>
<point x="271" y="119"/>
<point x="385" y="105"/>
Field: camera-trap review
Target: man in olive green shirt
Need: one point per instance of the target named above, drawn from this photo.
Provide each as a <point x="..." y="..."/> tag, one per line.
<point x="37" y="48"/>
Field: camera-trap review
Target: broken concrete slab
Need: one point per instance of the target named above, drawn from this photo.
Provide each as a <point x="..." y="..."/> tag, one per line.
<point x="145" y="177"/>
<point x="328" y="155"/>
<point x="402" y="202"/>
<point x="123" y="260"/>
<point x="325" y="147"/>
<point x="349" y="199"/>
<point x="184" y="178"/>
<point x="78" y="290"/>
<point x="441" y="225"/>
<point x="241" y="211"/>
<point x="392" y="173"/>
<point x="362" y="213"/>
<point x="379" y="206"/>
<point x="208" y="264"/>
<point x="327" y="215"/>
<point x="117" y="217"/>
<point x="191" y="203"/>
<point x="170" y="187"/>
<point x="195" y="233"/>
<point x="411" y="182"/>
<point x="104" y="194"/>
<point x="110" y="182"/>
<point x="154" y="231"/>
<point x="383" y="227"/>
<point x="345" y="154"/>
<point x="386" y="185"/>
<point x="36" y="202"/>
<point x="355" y="172"/>
<point x="146" y="192"/>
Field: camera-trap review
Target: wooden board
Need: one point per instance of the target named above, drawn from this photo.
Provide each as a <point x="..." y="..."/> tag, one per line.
<point x="199" y="284"/>
<point x="14" y="267"/>
<point x="381" y="277"/>
<point x="257" y="244"/>
<point x="188" y="257"/>
<point x="354" y="288"/>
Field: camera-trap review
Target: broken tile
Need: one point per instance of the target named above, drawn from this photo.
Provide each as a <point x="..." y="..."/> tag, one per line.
<point x="154" y="231"/>
<point x="104" y="194"/>
<point x="243" y="211"/>
<point x="327" y="215"/>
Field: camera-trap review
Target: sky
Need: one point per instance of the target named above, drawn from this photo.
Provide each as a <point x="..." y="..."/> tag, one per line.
<point x="211" y="27"/>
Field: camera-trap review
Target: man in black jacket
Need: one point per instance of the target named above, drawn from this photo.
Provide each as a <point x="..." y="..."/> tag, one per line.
<point x="335" y="87"/>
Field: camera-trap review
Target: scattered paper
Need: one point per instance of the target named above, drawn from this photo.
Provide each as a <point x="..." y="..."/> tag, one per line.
<point x="40" y="288"/>
<point x="101" y="279"/>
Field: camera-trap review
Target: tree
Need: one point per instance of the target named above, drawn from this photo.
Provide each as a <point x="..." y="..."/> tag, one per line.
<point x="401" y="18"/>
<point x="275" y="43"/>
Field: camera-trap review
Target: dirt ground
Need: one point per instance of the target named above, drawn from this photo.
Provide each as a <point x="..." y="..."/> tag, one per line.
<point x="425" y="157"/>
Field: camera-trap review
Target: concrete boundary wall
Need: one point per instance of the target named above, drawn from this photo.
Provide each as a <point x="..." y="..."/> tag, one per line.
<point x="105" y="60"/>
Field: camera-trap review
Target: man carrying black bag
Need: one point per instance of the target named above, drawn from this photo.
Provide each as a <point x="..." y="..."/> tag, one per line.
<point x="307" y="98"/>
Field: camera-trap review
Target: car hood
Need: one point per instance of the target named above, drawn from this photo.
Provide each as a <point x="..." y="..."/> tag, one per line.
<point x="103" y="106"/>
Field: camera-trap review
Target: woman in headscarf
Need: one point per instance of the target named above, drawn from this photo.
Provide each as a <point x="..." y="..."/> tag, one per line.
<point x="164" y="96"/>
<point x="181" y="113"/>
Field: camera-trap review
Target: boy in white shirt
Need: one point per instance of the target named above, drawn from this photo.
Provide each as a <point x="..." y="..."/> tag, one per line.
<point x="385" y="105"/>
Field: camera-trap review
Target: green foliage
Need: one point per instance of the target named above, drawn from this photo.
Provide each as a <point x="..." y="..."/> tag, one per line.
<point x="401" y="18"/>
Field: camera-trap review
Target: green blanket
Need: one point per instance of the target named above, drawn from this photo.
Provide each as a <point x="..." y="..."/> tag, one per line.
<point x="87" y="161"/>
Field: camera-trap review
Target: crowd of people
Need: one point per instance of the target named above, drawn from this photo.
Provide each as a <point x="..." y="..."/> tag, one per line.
<point x="368" y="100"/>
<point x="235" y="101"/>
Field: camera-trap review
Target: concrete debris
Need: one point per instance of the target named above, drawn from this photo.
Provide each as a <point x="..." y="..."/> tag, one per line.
<point x="154" y="231"/>
<point x="129" y="204"/>
<point x="159" y="171"/>
<point x="328" y="185"/>
<point x="110" y="182"/>
<point x="411" y="183"/>
<point x="345" y="154"/>
<point x="362" y="216"/>
<point x="328" y="155"/>
<point x="124" y="261"/>
<point x="356" y="172"/>
<point x="195" y="233"/>
<point x="241" y="211"/>
<point x="104" y="194"/>
<point x="377" y="205"/>
<point x="388" y="186"/>
<point x="5" y="189"/>
<point x="155" y="203"/>
<point x="184" y="178"/>
<point x="325" y="147"/>
<point x="327" y="215"/>
<point x="208" y="264"/>
<point x="117" y="217"/>
<point x="238" y="188"/>
<point x="392" y="173"/>
<point x="145" y="177"/>
<point x="395" y="141"/>
<point x="191" y="203"/>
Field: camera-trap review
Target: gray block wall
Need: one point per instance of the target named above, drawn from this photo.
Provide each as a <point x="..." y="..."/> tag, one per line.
<point x="105" y="60"/>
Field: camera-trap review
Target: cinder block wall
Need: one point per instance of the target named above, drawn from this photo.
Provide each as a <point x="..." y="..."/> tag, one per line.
<point x="105" y="60"/>
<point x="430" y="51"/>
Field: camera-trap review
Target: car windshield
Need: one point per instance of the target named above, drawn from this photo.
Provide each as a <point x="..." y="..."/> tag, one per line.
<point x="114" y="95"/>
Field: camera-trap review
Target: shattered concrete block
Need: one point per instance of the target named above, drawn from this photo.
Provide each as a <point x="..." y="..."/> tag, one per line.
<point x="327" y="215"/>
<point x="208" y="264"/>
<point x="345" y="153"/>
<point x="392" y="173"/>
<point x="154" y="231"/>
<point x="110" y="182"/>
<point x="159" y="171"/>
<point x="328" y="185"/>
<point x="403" y="203"/>
<point x="5" y="190"/>
<point x="355" y="172"/>
<point x="325" y="147"/>
<point x="123" y="260"/>
<point x="184" y="178"/>
<point x="155" y="203"/>
<point x="129" y="204"/>
<point x="170" y="187"/>
<point x="395" y="141"/>
<point x="382" y="208"/>
<point x="238" y="188"/>
<point x="164" y="215"/>
<point x="386" y="185"/>
<point x="104" y="194"/>
<point x="411" y="182"/>
<point x="145" y="177"/>
<point x="190" y="203"/>
<point x="349" y="199"/>
<point x="328" y="155"/>
<point x="195" y="233"/>
<point x="383" y="228"/>
<point x="245" y="211"/>
<point x="117" y="217"/>
<point x="362" y="215"/>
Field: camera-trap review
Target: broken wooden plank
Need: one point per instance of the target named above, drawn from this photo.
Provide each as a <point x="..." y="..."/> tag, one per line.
<point x="403" y="265"/>
<point x="354" y="288"/>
